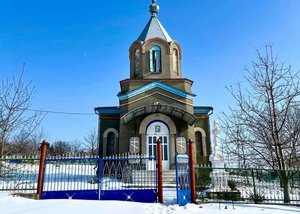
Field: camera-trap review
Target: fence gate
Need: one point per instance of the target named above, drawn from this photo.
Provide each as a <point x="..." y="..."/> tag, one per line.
<point x="118" y="178"/>
<point x="183" y="184"/>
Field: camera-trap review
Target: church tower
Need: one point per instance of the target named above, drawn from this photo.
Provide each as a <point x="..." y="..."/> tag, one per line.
<point x="154" y="55"/>
<point x="155" y="102"/>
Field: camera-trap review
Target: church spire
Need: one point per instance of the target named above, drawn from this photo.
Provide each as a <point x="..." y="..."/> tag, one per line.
<point x="154" y="29"/>
<point x="154" y="8"/>
<point x="154" y="55"/>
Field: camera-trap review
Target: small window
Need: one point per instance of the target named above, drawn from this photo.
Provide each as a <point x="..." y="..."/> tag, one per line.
<point x="175" y="61"/>
<point x="199" y="144"/>
<point x="136" y="61"/>
<point x="110" y="144"/>
<point x="155" y="59"/>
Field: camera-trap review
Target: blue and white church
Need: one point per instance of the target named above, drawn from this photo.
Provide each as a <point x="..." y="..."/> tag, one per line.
<point x="155" y="102"/>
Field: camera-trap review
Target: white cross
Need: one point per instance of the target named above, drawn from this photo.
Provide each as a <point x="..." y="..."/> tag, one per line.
<point x="129" y="197"/>
<point x="134" y="144"/>
<point x="181" y="144"/>
<point x="70" y="197"/>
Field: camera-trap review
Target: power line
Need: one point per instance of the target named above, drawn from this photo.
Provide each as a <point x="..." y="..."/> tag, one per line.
<point x="59" y="112"/>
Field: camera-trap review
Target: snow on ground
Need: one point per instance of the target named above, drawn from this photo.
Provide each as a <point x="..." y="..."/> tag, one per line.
<point x="17" y="205"/>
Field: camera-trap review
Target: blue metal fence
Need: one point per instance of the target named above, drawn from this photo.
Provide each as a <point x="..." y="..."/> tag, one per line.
<point x="114" y="178"/>
<point x="183" y="184"/>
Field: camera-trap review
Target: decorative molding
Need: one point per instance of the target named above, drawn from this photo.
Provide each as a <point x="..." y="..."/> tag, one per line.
<point x="104" y="151"/>
<point x="198" y="129"/>
<point x="160" y="80"/>
<point x="109" y="118"/>
<point x="157" y="116"/>
<point x="202" y="109"/>
<point x="157" y="92"/>
<point x="155" y="84"/>
<point x="159" y="40"/>
<point x="204" y="117"/>
<point x="111" y="130"/>
<point x="131" y="46"/>
<point x="178" y="45"/>
<point x="108" y="110"/>
<point x="180" y="113"/>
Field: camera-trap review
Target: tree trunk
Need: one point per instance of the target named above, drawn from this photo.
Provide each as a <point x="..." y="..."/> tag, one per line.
<point x="286" y="192"/>
<point x="2" y="145"/>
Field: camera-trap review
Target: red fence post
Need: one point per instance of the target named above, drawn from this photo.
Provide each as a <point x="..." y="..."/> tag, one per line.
<point x="159" y="171"/>
<point x="192" y="171"/>
<point x="41" y="169"/>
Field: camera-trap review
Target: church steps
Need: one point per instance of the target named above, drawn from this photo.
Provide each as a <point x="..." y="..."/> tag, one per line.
<point x="149" y="177"/>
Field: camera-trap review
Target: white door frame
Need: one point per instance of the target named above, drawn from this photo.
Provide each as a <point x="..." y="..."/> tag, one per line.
<point x="158" y="129"/>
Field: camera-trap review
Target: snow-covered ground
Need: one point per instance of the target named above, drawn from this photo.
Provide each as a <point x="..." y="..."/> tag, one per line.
<point x="17" y="205"/>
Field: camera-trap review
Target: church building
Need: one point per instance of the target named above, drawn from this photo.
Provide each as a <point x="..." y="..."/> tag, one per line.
<point x="155" y="102"/>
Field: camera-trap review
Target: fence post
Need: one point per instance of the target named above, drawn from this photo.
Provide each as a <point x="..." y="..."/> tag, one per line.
<point x="192" y="171"/>
<point x="159" y="171"/>
<point x="254" y="187"/>
<point x="41" y="169"/>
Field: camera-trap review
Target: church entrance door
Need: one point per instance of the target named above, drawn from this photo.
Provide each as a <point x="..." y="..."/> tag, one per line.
<point x="154" y="131"/>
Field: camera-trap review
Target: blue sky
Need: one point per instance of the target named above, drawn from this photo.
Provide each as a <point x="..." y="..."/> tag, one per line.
<point x="76" y="52"/>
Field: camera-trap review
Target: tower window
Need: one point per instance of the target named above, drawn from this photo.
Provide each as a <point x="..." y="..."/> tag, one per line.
<point x="175" y="61"/>
<point x="136" y="61"/>
<point x="155" y="59"/>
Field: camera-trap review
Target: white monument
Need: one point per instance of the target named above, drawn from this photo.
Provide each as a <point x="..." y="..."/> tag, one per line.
<point x="218" y="175"/>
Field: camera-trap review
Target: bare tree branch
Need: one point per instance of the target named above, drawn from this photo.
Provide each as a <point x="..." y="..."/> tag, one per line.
<point x="91" y="142"/>
<point x="15" y="100"/>
<point x="264" y="129"/>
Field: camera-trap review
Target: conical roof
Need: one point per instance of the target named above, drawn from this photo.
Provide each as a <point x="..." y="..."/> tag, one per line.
<point x="154" y="28"/>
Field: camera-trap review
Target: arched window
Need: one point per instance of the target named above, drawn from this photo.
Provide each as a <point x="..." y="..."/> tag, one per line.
<point x="136" y="61"/>
<point x="110" y="144"/>
<point x="155" y="59"/>
<point x="199" y="144"/>
<point x="175" y="61"/>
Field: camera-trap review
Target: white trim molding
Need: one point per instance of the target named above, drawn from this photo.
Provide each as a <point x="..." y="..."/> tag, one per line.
<point x="104" y="152"/>
<point x="204" y="149"/>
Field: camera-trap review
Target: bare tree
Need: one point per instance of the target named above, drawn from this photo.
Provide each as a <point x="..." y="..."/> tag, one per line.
<point x="76" y="147"/>
<point x="60" y="148"/>
<point x="35" y="141"/>
<point x="15" y="101"/>
<point x="91" y="142"/>
<point x="266" y="120"/>
<point x="19" y="144"/>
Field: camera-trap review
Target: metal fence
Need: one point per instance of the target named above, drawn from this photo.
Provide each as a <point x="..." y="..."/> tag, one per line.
<point x="113" y="178"/>
<point x="246" y="185"/>
<point x="183" y="183"/>
<point x="19" y="175"/>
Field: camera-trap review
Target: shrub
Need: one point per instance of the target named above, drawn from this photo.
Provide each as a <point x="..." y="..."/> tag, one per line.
<point x="232" y="184"/>
<point x="257" y="197"/>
